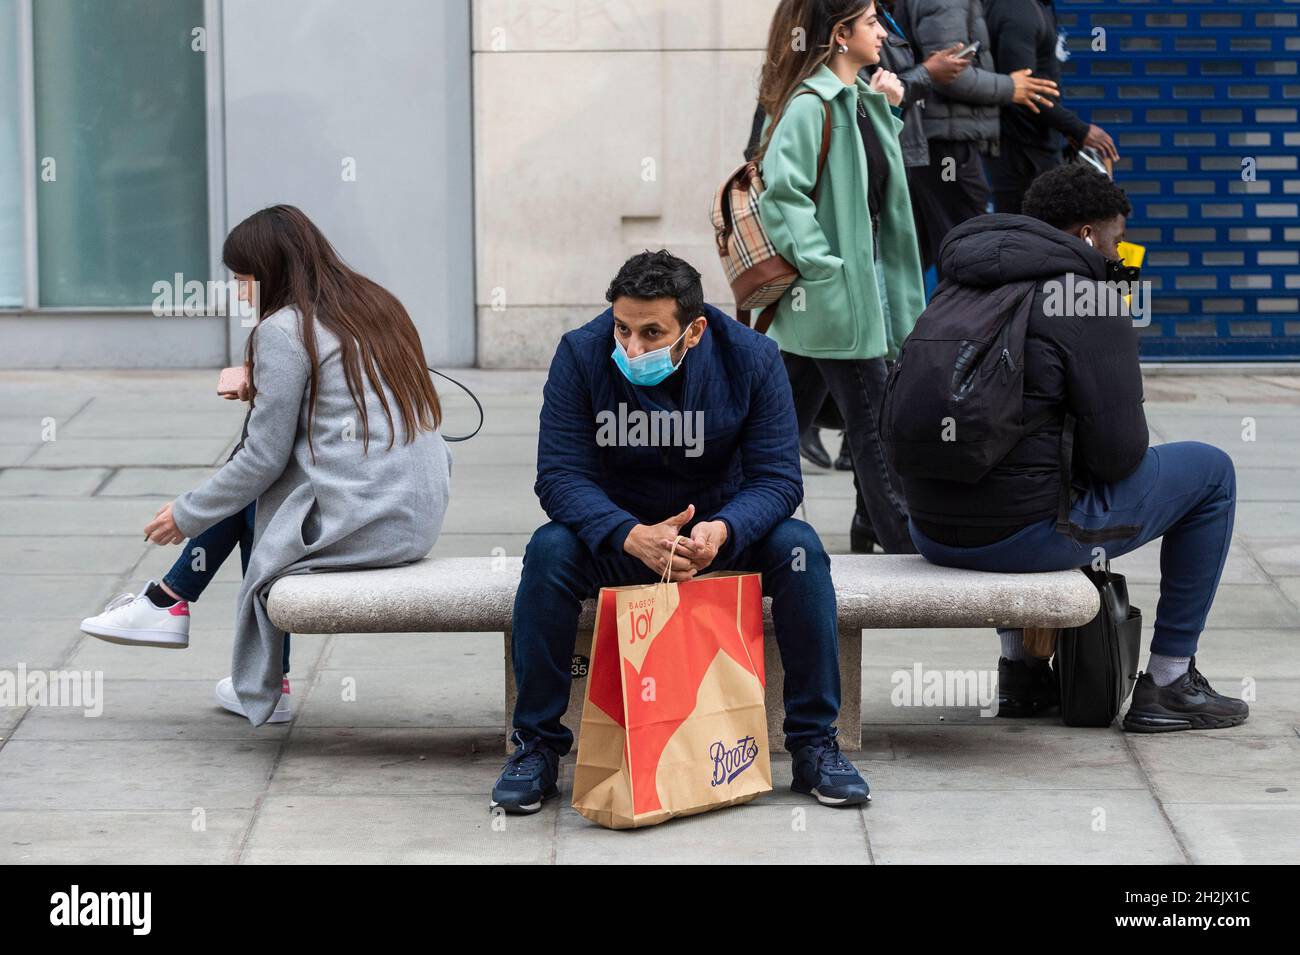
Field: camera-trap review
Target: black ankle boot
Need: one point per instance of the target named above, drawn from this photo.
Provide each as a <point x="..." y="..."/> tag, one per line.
<point x="862" y="537"/>
<point x="812" y="450"/>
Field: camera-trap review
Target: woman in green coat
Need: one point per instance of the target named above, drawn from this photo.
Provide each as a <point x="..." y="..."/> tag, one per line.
<point x="850" y="234"/>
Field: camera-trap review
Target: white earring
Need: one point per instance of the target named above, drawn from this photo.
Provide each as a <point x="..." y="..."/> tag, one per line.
<point x="843" y="48"/>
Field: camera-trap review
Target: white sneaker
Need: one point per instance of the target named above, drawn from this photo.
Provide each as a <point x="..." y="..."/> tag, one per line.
<point x="133" y="620"/>
<point x="227" y="699"/>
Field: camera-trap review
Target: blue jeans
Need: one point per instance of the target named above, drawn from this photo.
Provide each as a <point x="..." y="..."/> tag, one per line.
<point x="1185" y="493"/>
<point x="215" y="544"/>
<point x="560" y="572"/>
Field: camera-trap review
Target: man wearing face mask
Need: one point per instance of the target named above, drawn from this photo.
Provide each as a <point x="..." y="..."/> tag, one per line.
<point x="665" y="420"/>
<point x="1081" y="378"/>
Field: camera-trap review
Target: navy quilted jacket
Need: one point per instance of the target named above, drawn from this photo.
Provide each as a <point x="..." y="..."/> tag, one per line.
<point x="744" y="471"/>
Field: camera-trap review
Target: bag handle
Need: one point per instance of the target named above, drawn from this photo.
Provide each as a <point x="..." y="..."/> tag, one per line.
<point x="727" y="224"/>
<point x="746" y="315"/>
<point x="668" y="565"/>
<point x="474" y="397"/>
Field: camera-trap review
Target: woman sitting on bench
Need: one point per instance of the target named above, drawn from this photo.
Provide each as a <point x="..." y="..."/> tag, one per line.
<point x="342" y="454"/>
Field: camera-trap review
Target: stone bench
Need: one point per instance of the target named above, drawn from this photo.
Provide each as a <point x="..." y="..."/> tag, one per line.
<point x="476" y="594"/>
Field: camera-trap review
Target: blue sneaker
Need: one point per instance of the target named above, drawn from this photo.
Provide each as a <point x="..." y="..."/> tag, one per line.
<point x="529" y="778"/>
<point x="821" y="770"/>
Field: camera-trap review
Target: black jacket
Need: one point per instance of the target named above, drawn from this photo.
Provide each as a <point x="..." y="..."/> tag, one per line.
<point x="1024" y="34"/>
<point x="1087" y="366"/>
<point x="898" y="56"/>
<point x="965" y="110"/>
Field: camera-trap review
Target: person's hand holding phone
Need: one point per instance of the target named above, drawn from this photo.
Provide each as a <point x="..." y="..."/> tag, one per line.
<point x="945" y="65"/>
<point x="1100" y="140"/>
<point x="1031" y="92"/>
<point x="232" y="384"/>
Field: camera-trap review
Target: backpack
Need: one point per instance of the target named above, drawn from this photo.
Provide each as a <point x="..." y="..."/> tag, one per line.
<point x="758" y="276"/>
<point x="954" y="401"/>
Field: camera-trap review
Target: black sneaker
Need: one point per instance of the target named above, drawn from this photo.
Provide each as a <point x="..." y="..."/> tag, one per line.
<point x="821" y="771"/>
<point x="528" y="779"/>
<point x="1026" y="689"/>
<point x="1189" y="703"/>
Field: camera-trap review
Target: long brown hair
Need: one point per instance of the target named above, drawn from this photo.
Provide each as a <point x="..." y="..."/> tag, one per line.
<point x="813" y="23"/>
<point x="294" y="264"/>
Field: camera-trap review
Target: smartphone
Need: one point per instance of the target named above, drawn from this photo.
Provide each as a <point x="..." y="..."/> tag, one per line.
<point x="969" y="50"/>
<point x="231" y="380"/>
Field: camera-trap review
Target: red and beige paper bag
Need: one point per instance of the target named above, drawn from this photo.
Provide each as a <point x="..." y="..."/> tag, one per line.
<point x="674" y="721"/>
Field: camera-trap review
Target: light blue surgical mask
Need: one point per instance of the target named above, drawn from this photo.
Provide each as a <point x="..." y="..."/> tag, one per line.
<point x="648" y="368"/>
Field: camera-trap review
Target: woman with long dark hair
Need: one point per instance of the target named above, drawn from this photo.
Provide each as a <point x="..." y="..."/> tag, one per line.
<point x="849" y="231"/>
<point x="341" y="451"/>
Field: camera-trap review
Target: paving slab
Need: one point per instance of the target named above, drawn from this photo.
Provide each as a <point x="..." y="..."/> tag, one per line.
<point x="998" y="754"/>
<point x="51" y="482"/>
<point x="99" y="421"/>
<point x="356" y="697"/>
<point x="33" y="555"/>
<point x="303" y="829"/>
<point x="1279" y="558"/>
<point x="1236" y="606"/>
<point x="141" y="710"/>
<point x="38" y="644"/>
<point x="365" y="761"/>
<point x="138" y="774"/>
<point x="14" y="455"/>
<point x="1040" y="827"/>
<point x="176" y="837"/>
<point x="1234" y="834"/>
<point x="151" y="482"/>
<point x="1221" y="767"/>
<point x="79" y="517"/>
<point x="59" y="596"/>
<point x="121" y="452"/>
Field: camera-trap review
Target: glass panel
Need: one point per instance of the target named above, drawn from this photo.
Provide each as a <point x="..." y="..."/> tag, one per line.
<point x="121" y="127"/>
<point x="11" y="167"/>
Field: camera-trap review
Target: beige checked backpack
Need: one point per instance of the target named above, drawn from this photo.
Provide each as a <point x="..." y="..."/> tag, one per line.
<point x="757" y="274"/>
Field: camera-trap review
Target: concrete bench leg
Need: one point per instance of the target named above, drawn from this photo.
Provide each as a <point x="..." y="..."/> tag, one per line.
<point x="850" y="723"/>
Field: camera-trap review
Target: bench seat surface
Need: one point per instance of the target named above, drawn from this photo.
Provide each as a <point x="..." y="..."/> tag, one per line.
<point x="470" y="594"/>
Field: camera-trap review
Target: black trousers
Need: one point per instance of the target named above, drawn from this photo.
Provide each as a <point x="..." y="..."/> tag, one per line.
<point x="946" y="193"/>
<point x="857" y="386"/>
<point x="1011" y="173"/>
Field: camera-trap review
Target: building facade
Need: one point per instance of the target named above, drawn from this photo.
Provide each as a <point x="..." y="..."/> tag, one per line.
<point x="494" y="161"/>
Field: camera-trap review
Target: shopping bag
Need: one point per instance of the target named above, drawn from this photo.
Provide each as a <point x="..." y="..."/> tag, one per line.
<point x="674" y="722"/>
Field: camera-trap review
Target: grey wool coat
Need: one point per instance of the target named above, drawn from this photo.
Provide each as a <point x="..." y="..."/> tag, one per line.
<point x="346" y="510"/>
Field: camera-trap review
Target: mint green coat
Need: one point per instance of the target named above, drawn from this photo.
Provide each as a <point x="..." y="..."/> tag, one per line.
<point x="834" y="310"/>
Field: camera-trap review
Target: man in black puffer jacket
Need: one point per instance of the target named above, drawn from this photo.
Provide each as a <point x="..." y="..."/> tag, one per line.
<point x="1081" y="360"/>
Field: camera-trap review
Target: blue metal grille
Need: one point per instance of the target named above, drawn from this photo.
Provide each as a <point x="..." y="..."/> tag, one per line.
<point x="1191" y="89"/>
